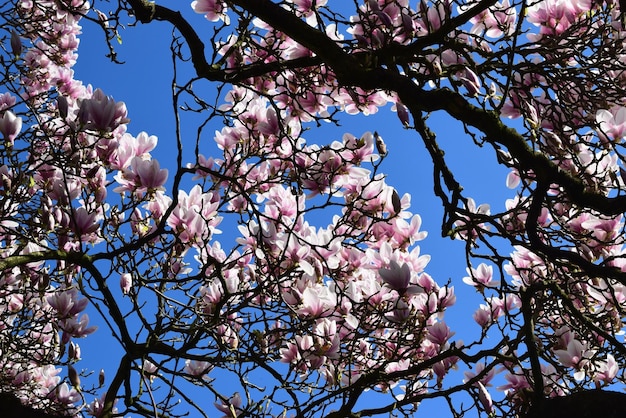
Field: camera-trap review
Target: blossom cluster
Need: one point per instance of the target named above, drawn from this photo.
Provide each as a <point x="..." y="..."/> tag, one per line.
<point x="323" y="286"/>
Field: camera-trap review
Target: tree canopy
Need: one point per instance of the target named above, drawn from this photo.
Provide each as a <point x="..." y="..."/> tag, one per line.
<point x="279" y="274"/>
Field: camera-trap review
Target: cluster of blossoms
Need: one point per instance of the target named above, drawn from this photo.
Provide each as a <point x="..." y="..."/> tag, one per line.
<point x="356" y="285"/>
<point x="324" y="288"/>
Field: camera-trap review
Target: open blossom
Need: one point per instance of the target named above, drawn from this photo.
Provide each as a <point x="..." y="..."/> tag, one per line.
<point x="553" y="16"/>
<point x="611" y="123"/>
<point x="77" y="328"/>
<point x="439" y="333"/>
<point x="197" y="368"/>
<point x="149" y="369"/>
<point x="316" y="301"/>
<point x="606" y="370"/>
<point x="66" y="395"/>
<point x="102" y="113"/>
<point x="397" y="277"/>
<point x="86" y="224"/>
<point x="231" y="407"/>
<point x="495" y="21"/>
<point x="67" y="303"/>
<point x="577" y="356"/>
<point x="213" y="10"/>
<point x="151" y="176"/>
<point x="307" y="7"/>
<point x="480" y="277"/>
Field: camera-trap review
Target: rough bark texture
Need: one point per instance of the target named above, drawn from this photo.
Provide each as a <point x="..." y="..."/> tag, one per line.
<point x="11" y="407"/>
<point x="586" y="404"/>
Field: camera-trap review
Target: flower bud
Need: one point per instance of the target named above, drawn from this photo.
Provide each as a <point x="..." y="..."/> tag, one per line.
<point x="73" y="353"/>
<point x="395" y="202"/>
<point x="403" y="114"/>
<point x="72" y="374"/>
<point x="484" y="397"/>
<point x="385" y="19"/>
<point x="374" y="6"/>
<point x="62" y="106"/>
<point x="126" y="282"/>
<point x="16" y="44"/>
<point x="10" y="126"/>
<point x="380" y="145"/>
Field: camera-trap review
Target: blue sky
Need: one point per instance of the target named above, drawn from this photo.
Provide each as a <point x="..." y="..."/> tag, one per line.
<point x="144" y="84"/>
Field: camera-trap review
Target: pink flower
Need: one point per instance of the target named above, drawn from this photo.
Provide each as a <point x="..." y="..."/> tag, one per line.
<point x="126" y="282"/>
<point x="492" y="21"/>
<point x="484" y="397"/>
<point x="577" y="356"/>
<point x="611" y="124"/>
<point x="197" y="368"/>
<point x="470" y="81"/>
<point x="102" y="113"/>
<point x="315" y="302"/>
<point x="480" y="277"/>
<point x="607" y="370"/>
<point x="290" y="354"/>
<point x="149" y="369"/>
<point x="65" y="395"/>
<point x="397" y="277"/>
<point x="7" y="100"/>
<point x="516" y="383"/>
<point x="483" y="316"/>
<point x="403" y="114"/>
<point x="439" y="333"/>
<point x="231" y="407"/>
<point x="144" y="143"/>
<point x="85" y="224"/>
<point x="307" y="7"/>
<point x="213" y="10"/>
<point x="15" y="302"/>
<point x="480" y="367"/>
<point x="10" y="126"/>
<point x="66" y="303"/>
<point x="554" y="16"/>
<point x="77" y="329"/>
<point x="151" y="176"/>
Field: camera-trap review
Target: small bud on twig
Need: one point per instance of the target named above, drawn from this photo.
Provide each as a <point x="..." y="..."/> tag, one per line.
<point x="396" y="202"/>
<point x="380" y="145"/>
<point x="16" y="44"/>
<point x="73" y="376"/>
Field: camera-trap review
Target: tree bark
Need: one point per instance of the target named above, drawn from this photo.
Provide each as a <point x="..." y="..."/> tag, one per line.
<point x="586" y="404"/>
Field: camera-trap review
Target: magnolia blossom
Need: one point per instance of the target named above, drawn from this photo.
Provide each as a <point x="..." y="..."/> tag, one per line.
<point x="149" y="173"/>
<point x="230" y="407"/>
<point x="495" y="21"/>
<point x="197" y="368"/>
<point x="397" y="277"/>
<point x="577" y="356"/>
<point x="10" y="126"/>
<point x="612" y="123"/>
<point x="102" y="113"/>
<point x="484" y="397"/>
<point x="607" y="370"/>
<point x="324" y="275"/>
<point x="126" y="282"/>
<point x="149" y="369"/>
<point x="480" y="277"/>
<point x="213" y="10"/>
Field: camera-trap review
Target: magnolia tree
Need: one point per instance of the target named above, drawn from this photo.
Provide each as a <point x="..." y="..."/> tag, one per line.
<point x="316" y="297"/>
